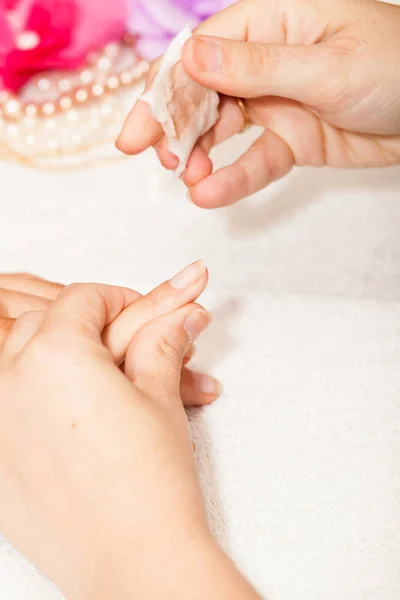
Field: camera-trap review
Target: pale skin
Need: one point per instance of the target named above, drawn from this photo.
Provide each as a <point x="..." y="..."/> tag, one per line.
<point x="22" y="292"/>
<point x="98" y="480"/>
<point x="321" y="78"/>
<point x="98" y="485"/>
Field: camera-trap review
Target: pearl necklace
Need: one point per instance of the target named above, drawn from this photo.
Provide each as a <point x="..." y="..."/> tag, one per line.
<point x="65" y="114"/>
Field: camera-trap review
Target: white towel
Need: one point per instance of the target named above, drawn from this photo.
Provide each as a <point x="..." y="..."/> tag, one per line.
<point x="300" y="458"/>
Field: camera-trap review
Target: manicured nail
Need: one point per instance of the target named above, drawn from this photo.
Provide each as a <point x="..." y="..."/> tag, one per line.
<point x="205" y="384"/>
<point x="196" y="323"/>
<point x="206" y="55"/>
<point x="189" y="275"/>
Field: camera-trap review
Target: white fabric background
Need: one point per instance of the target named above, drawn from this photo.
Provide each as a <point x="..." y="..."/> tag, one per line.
<point x="300" y="459"/>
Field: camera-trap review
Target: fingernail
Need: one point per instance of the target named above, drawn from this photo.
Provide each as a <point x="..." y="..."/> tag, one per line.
<point x="205" y="384"/>
<point x="196" y="323"/>
<point x="206" y="55"/>
<point x="189" y="275"/>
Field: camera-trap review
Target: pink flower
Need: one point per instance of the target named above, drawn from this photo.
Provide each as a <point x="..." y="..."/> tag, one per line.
<point x="36" y="35"/>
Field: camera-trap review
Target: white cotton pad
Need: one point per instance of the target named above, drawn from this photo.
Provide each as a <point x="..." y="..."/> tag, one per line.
<point x="185" y="109"/>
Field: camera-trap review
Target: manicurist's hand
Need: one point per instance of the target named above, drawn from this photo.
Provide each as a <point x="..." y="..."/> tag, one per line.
<point x="321" y="78"/>
<point x="98" y="484"/>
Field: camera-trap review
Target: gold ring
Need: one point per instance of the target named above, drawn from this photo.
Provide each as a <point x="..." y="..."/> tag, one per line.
<point x="246" y="115"/>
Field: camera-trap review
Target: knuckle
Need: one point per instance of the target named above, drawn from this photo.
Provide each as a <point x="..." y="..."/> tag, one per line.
<point x="74" y="288"/>
<point x="167" y="350"/>
<point x="39" y="351"/>
<point x="258" y="59"/>
<point x="26" y="318"/>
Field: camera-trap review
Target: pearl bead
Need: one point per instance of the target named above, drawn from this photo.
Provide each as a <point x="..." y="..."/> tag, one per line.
<point x="31" y="110"/>
<point x="12" y="109"/>
<point x="64" y="85"/>
<point x="81" y="95"/>
<point x="12" y="130"/>
<point x="112" y="49"/>
<point x="97" y="89"/>
<point x="65" y="102"/>
<point x="126" y="78"/>
<point x="86" y="76"/>
<point x="112" y="82"/>
<point x="30" y="139"/>
<point x="104" y="63"/>
<point x="48" y="108"/>
<point x="44" y="84"/>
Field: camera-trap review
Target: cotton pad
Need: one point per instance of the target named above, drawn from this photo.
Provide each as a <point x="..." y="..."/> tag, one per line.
<point x="185" y="109"/>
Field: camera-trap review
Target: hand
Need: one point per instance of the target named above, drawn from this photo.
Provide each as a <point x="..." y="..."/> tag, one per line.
<point x="321" y="78"/>
<point x="98" y="484"/>
<point x="20" y="293"/>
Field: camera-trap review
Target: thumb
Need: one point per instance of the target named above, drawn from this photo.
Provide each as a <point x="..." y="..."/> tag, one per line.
<point x="155" y="357"/>
<point x="251" y="70"/>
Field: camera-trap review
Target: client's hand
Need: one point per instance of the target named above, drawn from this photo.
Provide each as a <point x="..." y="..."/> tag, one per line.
<point x="21" y="292"/>
<point x="98" y="485"/>
<point x="321" y="78"/>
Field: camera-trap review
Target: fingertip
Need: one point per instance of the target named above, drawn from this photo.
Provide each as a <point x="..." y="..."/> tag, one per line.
<point x="167" y="159"/>
<point x="199" y="389"/>
<point x="189" y="61"/>
<point x="198" y="168"/>
<point x="139" y="131"/>
<point x="206" y="194"/>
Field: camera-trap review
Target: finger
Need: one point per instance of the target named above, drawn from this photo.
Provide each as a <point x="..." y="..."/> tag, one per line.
<point x="233" y="22"/>
<point x="268" y="159"/>
<point x="30" y="284"/>
<point x="198" y="389"/>
<point x="154" y="359"/>
<point x="140" y="130"/>
<point x="199" y="167"/>
<point x="13" y="304"/>
<point x="251" y="70"/>
<point x="182" y="289"/>
<point x="200" y="164"/>
<point x="190" y="352"/>
<point x="5" y="326"/>
<point x="168" y="160"/>
<point x="22" y="331"/>
<point x="230" y="122"/>
<point x="84" y="310"/>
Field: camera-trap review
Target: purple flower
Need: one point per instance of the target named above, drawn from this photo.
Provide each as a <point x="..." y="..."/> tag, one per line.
<point x="156" y="22"/>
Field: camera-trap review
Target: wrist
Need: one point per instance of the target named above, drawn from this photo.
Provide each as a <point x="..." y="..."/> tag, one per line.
<point x="196" y="568"/>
